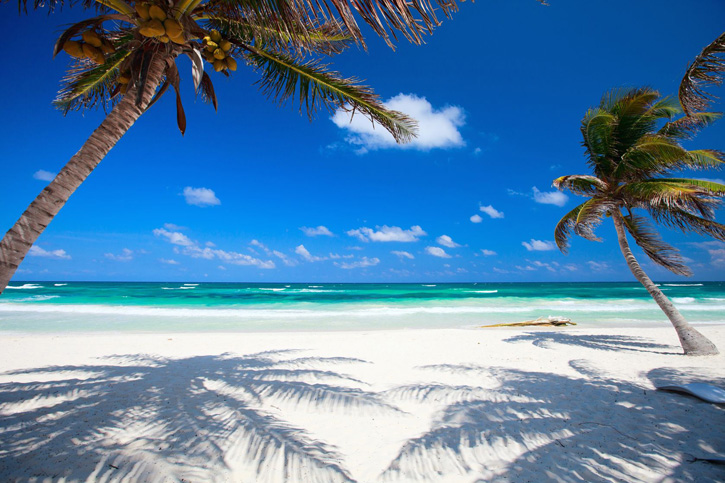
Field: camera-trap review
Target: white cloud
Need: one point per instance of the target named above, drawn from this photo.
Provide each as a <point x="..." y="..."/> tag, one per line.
<point x="44" y="175"/>
<point x="168" y="261"/>
<point x="285" y="259"/>
<point x="556" y="198"/>
<point x="403" y="254"/>
<point x="304" y="253"/>
<point x="174" y="237"/>
<point x="193" y="250"/>
<point x="362" y="263"/>
<point x="437" y="128"/>
<point x="598" y="266"/>
<point x="125" y="256"/>
<point x="36" y="251"/>
<point x="319" y="231"/>
<point x="488" y="253"/>
<point x="437" y="252"/>
<point x="172" y="227"/>
<point x="539" y="245"/>
<point x="200" y="197"/>
<point x="476" y="219"/>
<point x="447" y="241"/>
<point x="388" y="234"/>
<point x="491" y="211"/>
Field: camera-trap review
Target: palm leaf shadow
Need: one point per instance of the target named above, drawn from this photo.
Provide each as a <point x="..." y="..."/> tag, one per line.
<point x="538" y="426"/>
<point x="195" y="418"/>
<point x="608" y="342"/>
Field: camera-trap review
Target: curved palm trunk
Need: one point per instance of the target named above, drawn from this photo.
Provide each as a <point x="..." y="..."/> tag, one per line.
<point x="18" y="240"/>
<point x="693" y="342"/>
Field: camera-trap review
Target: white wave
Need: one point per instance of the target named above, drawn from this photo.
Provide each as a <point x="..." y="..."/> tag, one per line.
<point x="481" y="291"/>
<point x="683" y="285"/>
<point x="191" y="284"/>
<point x="315" y="286"/>
<point x="60" y="284"/>
<point x="27" y="286"/>
<point x="424" y="285"/>
<point x="683" y="300"/>
<point x="37" y="298"/>
<point x="272" y="289"/>
<point x="177" y="288"/>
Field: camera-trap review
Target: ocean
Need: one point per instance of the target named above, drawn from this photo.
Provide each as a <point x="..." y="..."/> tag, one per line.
<point x="237" y="307"/>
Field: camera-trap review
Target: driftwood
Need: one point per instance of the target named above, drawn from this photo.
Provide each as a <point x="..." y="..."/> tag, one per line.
<point x="550" y="321"/>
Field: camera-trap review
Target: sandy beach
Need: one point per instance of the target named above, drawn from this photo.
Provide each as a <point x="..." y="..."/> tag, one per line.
<point x="395" y="405"/>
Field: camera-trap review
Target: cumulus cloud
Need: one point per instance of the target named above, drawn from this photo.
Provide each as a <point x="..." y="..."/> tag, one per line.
<point x="173" y="227"/>
<point x="556" y="198"/>
<point x="125" y="256"/>
<point x="387" y="234"/>
<point x="491" y="211"/>
<point x="194" y="250"/>
<point x="437" y="252"/>
<point x="447" y="241"/>
<point x="403" y="254"/>
<point x="476" y="219"/>
<point x="318" y="231"/>
<point x="44" y="175"/>
<point x="437" y="128"/>
<point x="304" y="253"/>
<point x="598" y="266"/>
<point x="174" y="237"/>
<point x="36" y="251"/>
<point x="488" y="253"/>
<point x="200" y="197"/>
<point x="539" y="245"/>
<point x="362" y="263"/>
<point x="168" y="261"/>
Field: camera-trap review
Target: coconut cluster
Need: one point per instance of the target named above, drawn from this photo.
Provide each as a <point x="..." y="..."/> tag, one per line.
<point x="216" y="52"/>
<point x="157" y="25"/>
<point x="93" y="47"/>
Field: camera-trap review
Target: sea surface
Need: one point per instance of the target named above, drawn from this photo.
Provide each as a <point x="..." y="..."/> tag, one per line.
<point x="237" y="307"/>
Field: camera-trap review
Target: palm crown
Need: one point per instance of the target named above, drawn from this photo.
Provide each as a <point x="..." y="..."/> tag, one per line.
<point x="282" y="40"/>
<point x="630" y="157"/>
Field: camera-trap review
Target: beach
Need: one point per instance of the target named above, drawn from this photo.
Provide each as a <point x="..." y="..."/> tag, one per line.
<point x="402" y="405"/>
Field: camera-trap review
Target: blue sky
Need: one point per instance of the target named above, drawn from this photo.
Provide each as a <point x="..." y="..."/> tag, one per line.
<point x="256" y="192"/>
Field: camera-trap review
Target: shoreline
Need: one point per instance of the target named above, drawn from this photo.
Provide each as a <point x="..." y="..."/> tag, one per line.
<point x="441" y="405"/>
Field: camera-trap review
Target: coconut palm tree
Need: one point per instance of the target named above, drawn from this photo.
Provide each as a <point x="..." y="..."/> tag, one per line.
<point x="125" y="61"/>
<point x="630" y="157"/>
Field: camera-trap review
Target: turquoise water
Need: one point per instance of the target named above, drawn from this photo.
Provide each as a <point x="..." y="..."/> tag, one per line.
<point x="111" y="306"/>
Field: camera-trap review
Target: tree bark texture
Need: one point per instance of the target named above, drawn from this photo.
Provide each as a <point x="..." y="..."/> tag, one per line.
<point x="18" y="240"/>
<point x="692" y="341"/>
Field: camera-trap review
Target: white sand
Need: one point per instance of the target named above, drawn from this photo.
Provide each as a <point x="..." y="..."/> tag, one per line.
<point x="417" y="405"/>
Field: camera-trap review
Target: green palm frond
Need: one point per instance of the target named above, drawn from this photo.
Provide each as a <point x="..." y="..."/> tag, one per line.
<point x="706" y="71"/>
<point x="89" y="85"/>
<point x="687" y="222"/>
<point x="564" y="228"/>
<point x="590" y="216"/>
<point x="597" y="128"/>
<point x="78" y="27"/>
<point x="686" y="127"/>
<point x="327" y="38"/>
<point x="680" y="194"/>
<point x="651" y="154"/>
<point x="654" y="247"/>
<point x="284" y="77"/>
<point x="711" y="187"/>
<point x="705" y="159"/>
<point x="580" y="184"/>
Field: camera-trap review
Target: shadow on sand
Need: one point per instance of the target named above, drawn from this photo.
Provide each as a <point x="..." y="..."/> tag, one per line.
<point x="138" y="418"/>
<point x="617" y="343"/>
<point x="536" y="426"/>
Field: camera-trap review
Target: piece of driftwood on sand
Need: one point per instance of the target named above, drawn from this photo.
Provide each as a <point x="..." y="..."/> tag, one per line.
<point x="551" y="321"/>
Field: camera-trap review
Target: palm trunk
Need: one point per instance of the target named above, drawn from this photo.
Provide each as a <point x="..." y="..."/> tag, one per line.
<point x="693" y="342"/>
<point x="18" y="240"/>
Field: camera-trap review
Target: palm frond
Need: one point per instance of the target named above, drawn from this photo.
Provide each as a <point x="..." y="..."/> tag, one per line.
<point x="564" y="227"/>
<point x="672" y="193"/>
<point x="78" y="27"/>
<point x="328" y="38"/>
<point x="705" y="72"/>
<point x="284" y="77"/>
<point x="580" y="184"/>
<point x="89" y="85"/>
<point x="705" y="159"/>
<point x="687" y="222"/>
<point x="653" y="246"/>
<point x="206" y="90"/>
<point x="686" y="127"/>
<point x="590" y="216"/>
<point x="651" y="154"/>
<point x="597" y="129"/>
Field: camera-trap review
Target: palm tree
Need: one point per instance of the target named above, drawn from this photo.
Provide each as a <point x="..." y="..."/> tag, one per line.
<point x="125" y="61"/>
<point x="630" y="156"/>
